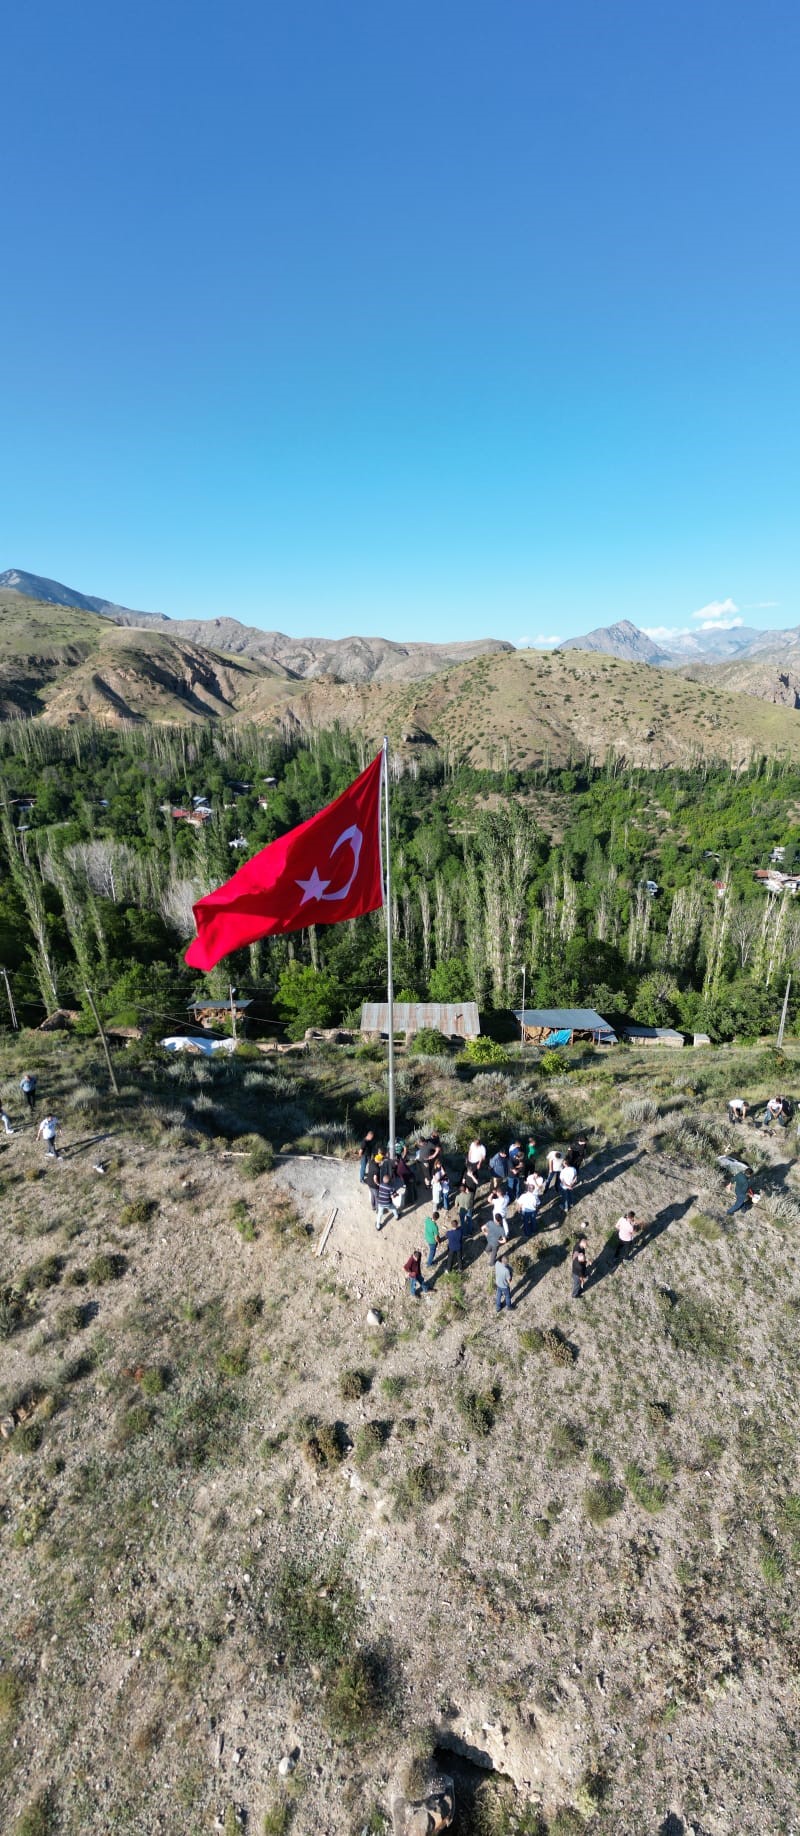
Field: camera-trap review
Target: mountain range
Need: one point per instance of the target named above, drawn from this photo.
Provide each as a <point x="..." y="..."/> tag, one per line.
<point x="719" y="645"/>
<point x="485" y="702"/>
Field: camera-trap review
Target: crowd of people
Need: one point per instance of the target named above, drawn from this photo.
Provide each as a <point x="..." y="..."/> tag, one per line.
<point x="492" y="1198"/>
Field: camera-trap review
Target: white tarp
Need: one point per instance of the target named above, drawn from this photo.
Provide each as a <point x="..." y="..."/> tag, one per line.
<point x="179" y="1043"/>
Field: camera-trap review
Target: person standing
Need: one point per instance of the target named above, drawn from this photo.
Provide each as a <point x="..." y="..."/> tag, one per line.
<point x="494" y="1234"/>
<point x="455" y="1247"/>
<point x="627" y="1230"/>
<point x="367" y="1150"/>
<point x="500" y="1202"/>
<point x="465" y="1200"/>
<point x="498" y="1165"/>
<point x="567" y="1181"/>
<point x="742" y="1192"/>
<point x="527" y="1208"/>
<point x="476" y="1156"/>
<point x="28" y="1087"/>
<point x="515" y="1170"/>
<point x="413" y="1269"/>
<point x="578" y="1152"/>
<point x="530" y="1156"/>
<point x="580" y="1268"/>
<point x="383" y="1196"/>
<point x="46" y="1132"/>
<point x="555" y="1161"/>
<point x="432" y="1238"/>
<point x="502" y="1285"/>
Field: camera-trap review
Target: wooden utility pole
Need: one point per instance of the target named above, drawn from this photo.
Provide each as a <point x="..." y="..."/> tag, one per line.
<point x="13" y="1011"/>
<point x="103" y="1041"/>
<point x="783" y="1015"/>
<point x="233" y="1010"/>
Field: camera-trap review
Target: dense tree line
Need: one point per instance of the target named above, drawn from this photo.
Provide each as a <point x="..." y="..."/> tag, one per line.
<point x="546" y="868"/>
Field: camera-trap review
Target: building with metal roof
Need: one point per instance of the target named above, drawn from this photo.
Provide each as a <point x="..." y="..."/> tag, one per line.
<point x="561" y="1025"/>
<point x="455" y="1019"/>
<point x="637" y="1034"/>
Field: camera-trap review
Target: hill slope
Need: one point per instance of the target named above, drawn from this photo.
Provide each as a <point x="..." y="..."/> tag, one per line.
<point x="350" y="659"/>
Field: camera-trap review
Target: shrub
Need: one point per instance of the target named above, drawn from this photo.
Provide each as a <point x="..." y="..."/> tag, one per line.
<point x="647" y="1492"/>
<point x="233" y="1363"/>
<point x="640" y="1110"/>
<point x="353" y="1384"/>
<point x="602" y="1501"/>
<point x="260" y="1159"/>
<point x="428" y="1042"/>
<point x="421" y="1485"/>
<point x="696" y="1325"/>
<point x="241" y="1220"/>
<point x="137" y="1211"/>
<point x="15" y="1309"/>
<point x="558" y="1349"/>
<point x="567" y="1443"/>
<point x="553" y="1063"/>
<point x="478" y="1408"/>
<point x="11" y="1693"/>
<point x="108" y="1266"/>
<point x="324" y="1444"/>
<point x="37" y="1817"/>
<point x="369" y="1441"/>
<point x="484" y="1051"/>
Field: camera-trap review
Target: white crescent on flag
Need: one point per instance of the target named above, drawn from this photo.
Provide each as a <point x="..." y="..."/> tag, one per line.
<point x="315" y="887"/>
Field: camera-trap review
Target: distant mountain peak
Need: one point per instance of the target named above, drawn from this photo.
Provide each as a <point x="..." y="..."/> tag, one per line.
<point x="54" y="593"/>
<point x="620" y="640"/>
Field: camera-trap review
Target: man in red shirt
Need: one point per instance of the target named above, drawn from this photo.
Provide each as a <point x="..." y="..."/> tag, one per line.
<point x="413" y="1269"/>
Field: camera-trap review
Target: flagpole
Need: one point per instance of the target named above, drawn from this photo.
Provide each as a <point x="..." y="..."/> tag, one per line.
<point x="389" y="980"/>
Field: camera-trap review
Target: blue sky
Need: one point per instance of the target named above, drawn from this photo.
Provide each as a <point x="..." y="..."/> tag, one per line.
<point x="428" y="320"/>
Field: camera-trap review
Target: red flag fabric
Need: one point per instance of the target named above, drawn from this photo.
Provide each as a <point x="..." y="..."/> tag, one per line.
<point x="324" y="871"/>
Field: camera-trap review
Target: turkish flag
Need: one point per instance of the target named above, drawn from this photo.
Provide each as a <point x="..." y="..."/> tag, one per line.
<point x="326" y="870"/>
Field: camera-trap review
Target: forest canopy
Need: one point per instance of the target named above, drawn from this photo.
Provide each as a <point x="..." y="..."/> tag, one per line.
<point x="629" y="890"/>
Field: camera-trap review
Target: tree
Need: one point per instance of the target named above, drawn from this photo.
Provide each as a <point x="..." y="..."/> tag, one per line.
<point x="308" y="998"/>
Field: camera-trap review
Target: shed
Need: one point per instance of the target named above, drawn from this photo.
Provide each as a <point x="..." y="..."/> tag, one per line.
<point x="455" y="1019"/>
<point x="539" y="1024"/>
<point x="651" y="1035"/>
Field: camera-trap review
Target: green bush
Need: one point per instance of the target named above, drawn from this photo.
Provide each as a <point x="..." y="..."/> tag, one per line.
<point x="260" y="1159"/>
<point x="484" y="1051"/>
<point x="429" y="1043"/>
<point x="602" y="1501"/>
<point x="106" y="1267"/>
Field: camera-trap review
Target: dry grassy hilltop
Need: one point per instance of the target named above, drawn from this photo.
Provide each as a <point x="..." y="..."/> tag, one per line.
<point x="243" y="1522"/>
<point x="64" y="664"/>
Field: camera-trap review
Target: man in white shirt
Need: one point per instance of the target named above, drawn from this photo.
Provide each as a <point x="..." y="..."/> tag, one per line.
<point x="567" y="1181"/>
<point x="555" y="1162"/>
<point x="476" y="1155"/>
<point x="527" y="1206"/>
<point x="627" y="1230"/>
<point x="500" y="1204"/>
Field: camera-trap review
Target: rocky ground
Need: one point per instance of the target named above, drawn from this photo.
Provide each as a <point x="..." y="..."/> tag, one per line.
<point x="262" y="1553"/>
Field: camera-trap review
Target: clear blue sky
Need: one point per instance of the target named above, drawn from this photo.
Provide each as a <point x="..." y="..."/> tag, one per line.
<point x="427" y="319"/>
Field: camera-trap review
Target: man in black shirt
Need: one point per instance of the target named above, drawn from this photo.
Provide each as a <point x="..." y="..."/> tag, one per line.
<point x="579" y="1267"/>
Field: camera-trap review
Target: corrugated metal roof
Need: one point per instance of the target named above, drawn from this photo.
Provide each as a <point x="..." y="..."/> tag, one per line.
<point x="217" y="1007"/>
<point x="578" y="1019"/>
<point x="654" y="1035"/>
<point x="456" y="1019"/>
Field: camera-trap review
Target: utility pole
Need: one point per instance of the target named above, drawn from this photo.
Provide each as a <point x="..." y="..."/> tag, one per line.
<point x="522" y="1021"/>
<point x="783" y="1015"/>
<point x="103" y="1041"/>
<point x="232" y="992"/>
<point x="13" y="1011"/>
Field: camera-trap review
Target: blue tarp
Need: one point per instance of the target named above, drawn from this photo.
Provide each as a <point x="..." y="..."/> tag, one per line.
<point x="561" y="1038"/>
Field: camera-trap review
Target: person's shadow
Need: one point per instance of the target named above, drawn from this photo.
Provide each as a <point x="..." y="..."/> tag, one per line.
<point x="608" y="1258"/>
<point x="556" y="1254"/>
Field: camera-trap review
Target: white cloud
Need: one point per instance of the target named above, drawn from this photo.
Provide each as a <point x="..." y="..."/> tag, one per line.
<point x="721" y="624"/>
<point x="537" y="643"/>
<point x="716" y="608"/>
<point x="665" y="632"/>
<point x="761" y="605"/>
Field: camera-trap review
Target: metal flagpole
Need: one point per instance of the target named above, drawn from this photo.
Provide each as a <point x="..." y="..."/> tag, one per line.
<point x="389" y="981"/>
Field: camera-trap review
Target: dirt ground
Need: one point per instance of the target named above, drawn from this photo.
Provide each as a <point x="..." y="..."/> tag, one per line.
<point x="563" y="1542"/>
